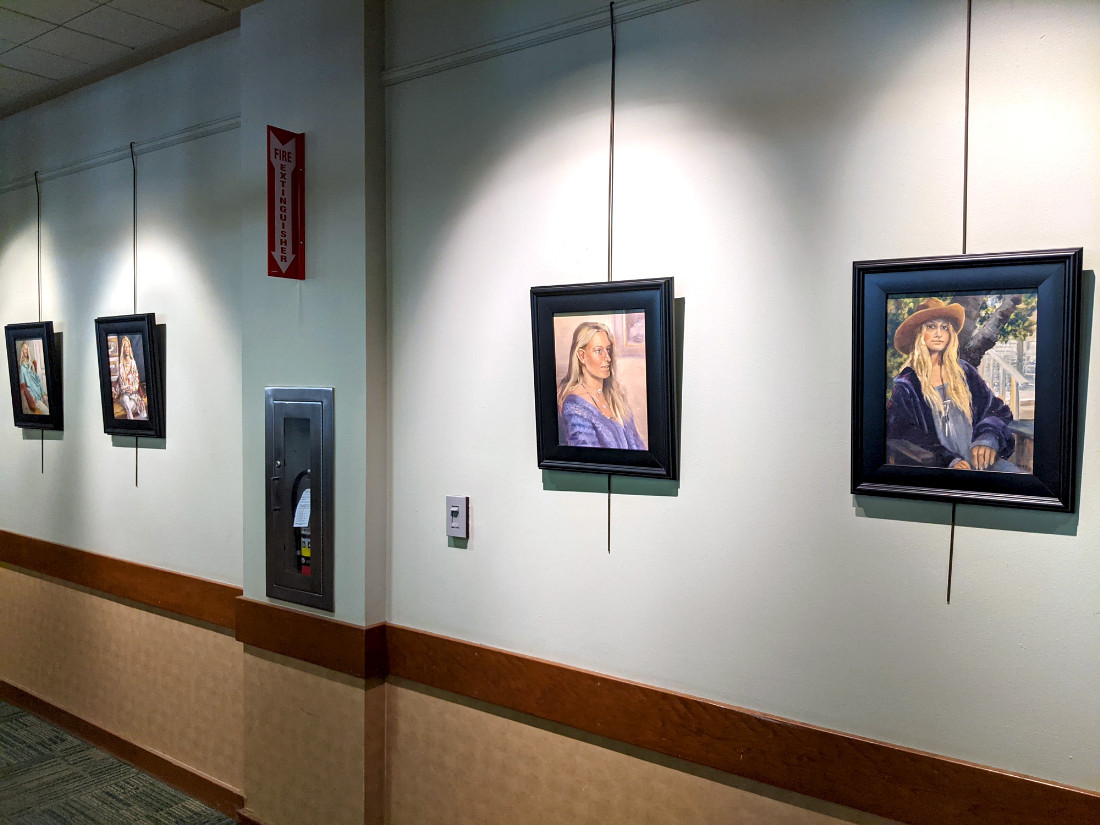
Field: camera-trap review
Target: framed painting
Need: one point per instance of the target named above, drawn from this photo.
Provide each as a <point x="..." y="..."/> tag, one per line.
<point x="131" y="375"/>
<point x="965" y="378"/>
<point x="34" y="370"/>
<point x="605" y="378"/>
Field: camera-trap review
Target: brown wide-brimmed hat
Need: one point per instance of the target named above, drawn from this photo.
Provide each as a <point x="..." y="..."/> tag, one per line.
<point x="929" y="308"/>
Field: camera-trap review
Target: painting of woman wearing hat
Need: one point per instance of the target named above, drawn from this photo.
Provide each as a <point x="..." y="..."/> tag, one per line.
<point x="940" y="405"/>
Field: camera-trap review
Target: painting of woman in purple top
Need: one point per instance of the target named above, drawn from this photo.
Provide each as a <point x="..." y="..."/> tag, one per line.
<point x="593" y="410"/>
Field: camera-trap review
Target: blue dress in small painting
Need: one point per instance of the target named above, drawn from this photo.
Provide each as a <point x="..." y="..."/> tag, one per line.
<point x="580" y="424"/>
<point x="29" y="378"/>
<point x="32" y="393"/>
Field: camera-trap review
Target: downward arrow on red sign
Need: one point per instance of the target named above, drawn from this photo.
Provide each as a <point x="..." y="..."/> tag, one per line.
<point x="284" y="208"/>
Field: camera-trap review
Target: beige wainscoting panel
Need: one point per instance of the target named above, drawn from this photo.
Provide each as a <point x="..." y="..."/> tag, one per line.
<point x="304" y="742"/>
<point x="452" y="761"/>
<point x="374" y="757"/>
<point x="168" y="684"/>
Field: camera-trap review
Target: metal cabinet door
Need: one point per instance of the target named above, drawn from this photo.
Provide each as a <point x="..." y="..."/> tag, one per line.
<point x="299" y="456"/>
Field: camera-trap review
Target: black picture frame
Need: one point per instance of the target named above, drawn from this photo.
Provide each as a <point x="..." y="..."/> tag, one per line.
<point x="884" y="466"/>
<point x="147" y="404"/>
<point x="649" y="299"/>
<point x="47" y="373"/>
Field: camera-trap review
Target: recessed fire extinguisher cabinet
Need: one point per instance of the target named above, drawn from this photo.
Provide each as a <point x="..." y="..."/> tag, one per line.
<point x="299" y="495"/>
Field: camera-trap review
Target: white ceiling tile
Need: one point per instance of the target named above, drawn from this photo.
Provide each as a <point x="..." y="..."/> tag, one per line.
<point x="19" y="28"/>
<point x="120" y="27"/>
<point x="54" y="11"/>
<point x="80" y="46"/>
<point x="15" y="84"/>
<point x="179" y="14"/>
<point x="71" y="37"/>
<point x="44" y="64"/>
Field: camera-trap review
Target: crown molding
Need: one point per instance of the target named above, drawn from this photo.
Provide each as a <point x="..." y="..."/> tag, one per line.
<point x="141" y="147"/>
<point x="579" y="24"/>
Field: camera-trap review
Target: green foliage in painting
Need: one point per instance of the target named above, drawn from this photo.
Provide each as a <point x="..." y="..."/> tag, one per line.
<point x="1021" y="324"/>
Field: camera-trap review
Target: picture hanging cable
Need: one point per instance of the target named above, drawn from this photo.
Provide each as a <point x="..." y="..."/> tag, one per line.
<point x="611" y="213"/>
<point x="951" y="553"/>
<point x="133" y="166"/>
<point x="611" y="154"/>
<point x="38" y="197"/>
<point x="966" y="123"/>
<point x="966" y="172"/>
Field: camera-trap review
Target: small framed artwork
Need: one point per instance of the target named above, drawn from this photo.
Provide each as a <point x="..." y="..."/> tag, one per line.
<point x="964" y="378"/>
<point x="605" y="378"/>
<point x="131" y="375"/>
<point x="34" y="369"/>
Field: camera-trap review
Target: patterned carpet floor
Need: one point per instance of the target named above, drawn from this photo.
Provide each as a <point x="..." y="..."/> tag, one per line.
<point x="48" y="777"/>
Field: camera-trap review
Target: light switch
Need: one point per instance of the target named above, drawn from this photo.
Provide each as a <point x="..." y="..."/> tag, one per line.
<point x="458" y="516"/>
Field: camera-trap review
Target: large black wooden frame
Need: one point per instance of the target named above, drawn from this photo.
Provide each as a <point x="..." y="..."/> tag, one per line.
<point x="151" y="353"/>
<point x="655" y="298"/>
<point x="54" y="390"/>
<point x="1056" y="276"/>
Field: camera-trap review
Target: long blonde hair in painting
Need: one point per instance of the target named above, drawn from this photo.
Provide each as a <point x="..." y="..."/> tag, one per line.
<point x="574" y="376"/>
<point x="954" y="379"/>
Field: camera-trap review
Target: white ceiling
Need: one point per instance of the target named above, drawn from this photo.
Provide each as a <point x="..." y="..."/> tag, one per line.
<point x="50" y="47"/>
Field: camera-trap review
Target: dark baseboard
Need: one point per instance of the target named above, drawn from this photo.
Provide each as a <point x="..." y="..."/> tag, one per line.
<point x="246" y="817"/>
<point x="214" y="794"/>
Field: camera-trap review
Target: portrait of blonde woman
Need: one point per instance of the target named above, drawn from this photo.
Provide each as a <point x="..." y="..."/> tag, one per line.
<point x="32" y="388"/>
<point x="593" y="407"/>
<point x="128" y="387"/>
<point x="940" y="403"/>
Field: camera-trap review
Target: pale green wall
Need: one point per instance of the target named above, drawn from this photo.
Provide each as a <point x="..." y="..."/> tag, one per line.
<point x="304" y="67"/>
<point x="185" y="515"/>
<point x="760" y="149"/>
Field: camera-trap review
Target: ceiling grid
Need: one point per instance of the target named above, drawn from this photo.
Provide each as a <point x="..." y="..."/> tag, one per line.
<point x="50" y="47"/>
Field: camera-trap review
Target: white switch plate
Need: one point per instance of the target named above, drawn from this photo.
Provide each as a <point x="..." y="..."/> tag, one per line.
<point x="458" y="516"/>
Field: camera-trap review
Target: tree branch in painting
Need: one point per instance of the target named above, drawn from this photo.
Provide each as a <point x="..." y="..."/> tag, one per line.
<point x="973" y="347"/>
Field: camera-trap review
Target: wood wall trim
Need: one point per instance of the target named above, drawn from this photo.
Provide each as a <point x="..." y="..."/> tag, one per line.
<point x="247" y="817"/>
<point x="345" y="648"/>
<point x="902" y="784"/>
<point x="208" y="791"/>
<point x="906" y="785"/>
<point x="201" y="599"/>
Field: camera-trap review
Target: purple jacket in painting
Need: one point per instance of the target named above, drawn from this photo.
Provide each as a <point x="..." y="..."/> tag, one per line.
<point x="909" y="417"/>
<point x="582" y="425"/>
